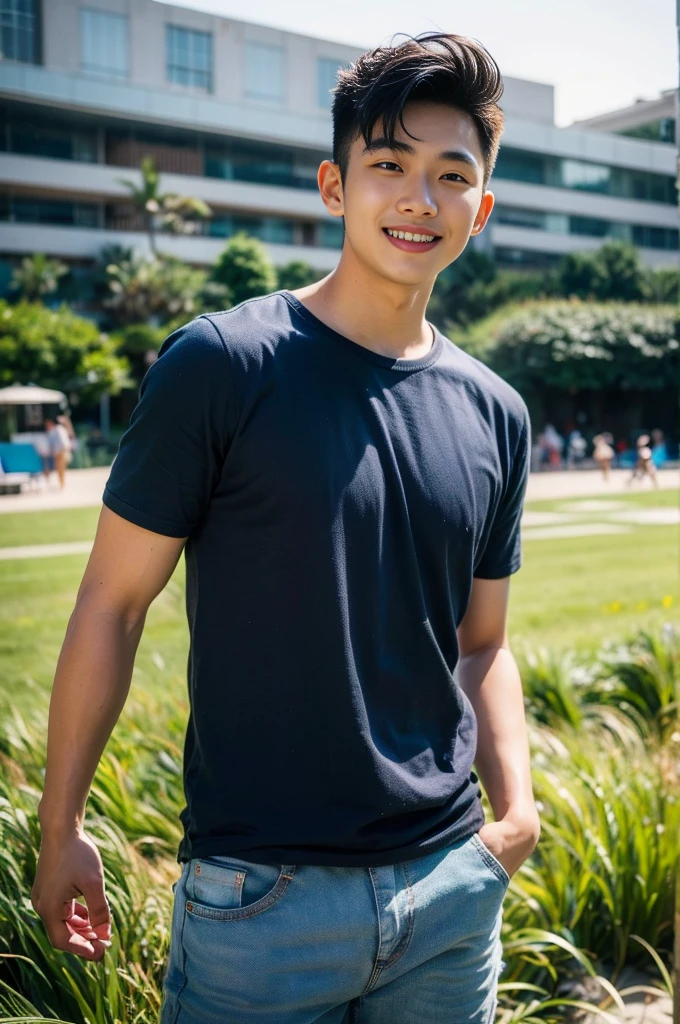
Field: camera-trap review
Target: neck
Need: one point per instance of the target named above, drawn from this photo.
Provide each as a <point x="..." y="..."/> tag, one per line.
<point x="381" y="315"/>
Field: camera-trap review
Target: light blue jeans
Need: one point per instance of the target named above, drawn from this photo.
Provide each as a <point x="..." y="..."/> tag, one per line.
<point x="412" y="943"/>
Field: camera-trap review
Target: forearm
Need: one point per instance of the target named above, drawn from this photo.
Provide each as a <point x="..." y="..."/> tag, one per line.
<point x="91" y="685"/>
<point x="492" y="682"/>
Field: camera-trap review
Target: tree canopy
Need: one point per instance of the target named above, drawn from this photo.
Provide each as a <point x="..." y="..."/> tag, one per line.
<point x="244" y="268"/>
<point x="575" y="344"/>
<point x="54" y="348"/>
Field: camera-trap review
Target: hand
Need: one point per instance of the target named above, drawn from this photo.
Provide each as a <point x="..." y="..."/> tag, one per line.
<point x="70" y="867"/>
<point x="511" y="840"/>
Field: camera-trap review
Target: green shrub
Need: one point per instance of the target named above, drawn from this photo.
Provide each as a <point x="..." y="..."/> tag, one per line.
<point x="297" y="274"/>
<point x="54" y="348"/>
<point x="244" y="268"/>
<point x="580" y="345"/>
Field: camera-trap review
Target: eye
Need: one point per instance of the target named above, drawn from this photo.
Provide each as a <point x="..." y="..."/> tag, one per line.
<point x="454" y="174"/>
<point x="389" y="165"/>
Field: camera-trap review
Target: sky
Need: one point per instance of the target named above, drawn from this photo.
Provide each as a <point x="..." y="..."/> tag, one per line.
<point x="599" y="54"/>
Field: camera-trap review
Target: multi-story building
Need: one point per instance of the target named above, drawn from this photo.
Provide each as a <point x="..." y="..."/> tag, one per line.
<point x="654" y="120"/>
<point x="238" y="114"/>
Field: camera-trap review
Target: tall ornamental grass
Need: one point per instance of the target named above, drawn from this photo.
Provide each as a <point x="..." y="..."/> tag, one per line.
<point x="595" y="896"/>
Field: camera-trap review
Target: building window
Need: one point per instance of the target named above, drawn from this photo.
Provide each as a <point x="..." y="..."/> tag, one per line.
<point x="36" y="136"/>
<point x="19" y="30"/>
<point x="326" y="77"/>
<point x="189" y="55"/>
<point x="267" y="164"/>
<point x="647" y="236"/>
<point x="27" y="210"/>
<point x="267" y="229"/>
<point x="265" y="72"/>
<point x="585" y="176"/>
<point x="104" y="43"/>
<point x="526" y="258"/>
<point x="655" y="238"/>
<point x="331" y="233"/>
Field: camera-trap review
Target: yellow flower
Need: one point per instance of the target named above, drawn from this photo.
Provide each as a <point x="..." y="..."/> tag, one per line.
<point x="667" y="600"/>
<point x="616" y="606"/>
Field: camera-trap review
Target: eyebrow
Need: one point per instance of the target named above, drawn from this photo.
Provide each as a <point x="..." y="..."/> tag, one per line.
<point x="461" y="155"/>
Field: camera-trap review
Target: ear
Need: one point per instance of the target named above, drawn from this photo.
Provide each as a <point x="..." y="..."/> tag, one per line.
<point x="330" y="187"/>
<point x="485" y="208"/>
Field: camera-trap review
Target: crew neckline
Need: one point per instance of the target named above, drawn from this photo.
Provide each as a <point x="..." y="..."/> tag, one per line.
<point x="387" y="362"/>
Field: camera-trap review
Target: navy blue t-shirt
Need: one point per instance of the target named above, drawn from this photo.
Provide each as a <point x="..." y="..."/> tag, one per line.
<point x="337" y="505"/>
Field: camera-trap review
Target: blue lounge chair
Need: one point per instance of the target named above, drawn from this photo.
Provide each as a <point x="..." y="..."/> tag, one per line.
<point x="18" y="463"/>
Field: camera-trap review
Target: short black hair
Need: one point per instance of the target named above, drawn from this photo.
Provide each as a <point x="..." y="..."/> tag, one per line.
<point x="435" y="66"/>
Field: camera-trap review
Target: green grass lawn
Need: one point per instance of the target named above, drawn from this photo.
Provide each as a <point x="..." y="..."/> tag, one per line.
<point x="573" y="591"/>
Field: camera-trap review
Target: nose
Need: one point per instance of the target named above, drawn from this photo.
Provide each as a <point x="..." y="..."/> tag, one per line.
<point x="417" y="199"/>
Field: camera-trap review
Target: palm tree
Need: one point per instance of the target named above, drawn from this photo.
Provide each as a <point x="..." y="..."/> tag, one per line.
<point x="37" y="276"/>
<point x="178" y="214"/>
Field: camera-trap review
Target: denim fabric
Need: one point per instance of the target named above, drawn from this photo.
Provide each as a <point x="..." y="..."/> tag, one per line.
<point x="412" y="943"/>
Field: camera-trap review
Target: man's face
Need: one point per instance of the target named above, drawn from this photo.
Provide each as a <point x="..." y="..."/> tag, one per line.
<point x="430" y="185"/>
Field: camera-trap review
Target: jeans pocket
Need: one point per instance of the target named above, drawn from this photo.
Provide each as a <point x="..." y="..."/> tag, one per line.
<point x="225" y="888"/>
<point x="490" y="860"/>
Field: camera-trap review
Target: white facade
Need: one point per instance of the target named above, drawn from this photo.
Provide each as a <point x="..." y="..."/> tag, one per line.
<point x="123" y="69"/>
<point x="643" y="112"/>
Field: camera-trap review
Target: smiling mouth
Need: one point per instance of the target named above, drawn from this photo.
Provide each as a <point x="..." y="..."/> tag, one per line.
<point x="412" y="241"/>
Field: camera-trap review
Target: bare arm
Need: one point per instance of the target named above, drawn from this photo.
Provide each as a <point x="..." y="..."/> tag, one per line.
<point x="127" y="569"/>
<point x="489" y="676"/>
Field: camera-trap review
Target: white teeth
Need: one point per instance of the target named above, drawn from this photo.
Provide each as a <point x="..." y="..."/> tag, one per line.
<point x="409" y="236"/>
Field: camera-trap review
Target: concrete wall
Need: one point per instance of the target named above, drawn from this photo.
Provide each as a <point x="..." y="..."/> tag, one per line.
<point x="91" y="182"/>
<point x="641" y="112"/>
<point x="86" y="243"/>
<point x="530" y="240"/>
<point x="147" y="21"/>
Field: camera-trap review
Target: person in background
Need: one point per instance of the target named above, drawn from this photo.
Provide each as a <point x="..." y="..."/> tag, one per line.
<point x="620" y="450"/>
<point x="659" y="452"/>
<point x="645" y="464"/>
<point x="555" y="443"/>
<point x="74" y="444"/>
<point x="60" y="448"/>
<point x="576" y="448"/>
<point x="603" y="453"/>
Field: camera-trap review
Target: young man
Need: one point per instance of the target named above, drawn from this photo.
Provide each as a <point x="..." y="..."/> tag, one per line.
<point x="347" y="486"/>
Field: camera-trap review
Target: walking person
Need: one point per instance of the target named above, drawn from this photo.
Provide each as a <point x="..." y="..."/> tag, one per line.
<point x="59" y="448"/>
<point x="347" y="486"/>
<point x="644" y="464"/>
<point x="603" y="453"/>
<point x="73" y="442"/>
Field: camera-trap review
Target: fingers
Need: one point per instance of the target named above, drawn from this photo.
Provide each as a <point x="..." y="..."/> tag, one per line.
<point x="70" y="927"/>
<point x="65" y="937"/>
<point x="98" y="909"/>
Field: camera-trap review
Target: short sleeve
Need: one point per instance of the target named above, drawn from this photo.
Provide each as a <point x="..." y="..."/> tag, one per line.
<point x="503" y="553"/>
<point x="170" y="458"/>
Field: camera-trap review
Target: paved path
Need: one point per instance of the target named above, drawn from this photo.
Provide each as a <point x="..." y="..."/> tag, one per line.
<point x="584" y="483"/>
<point x="84" y="487"/>
<point x="76" y="547"/>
